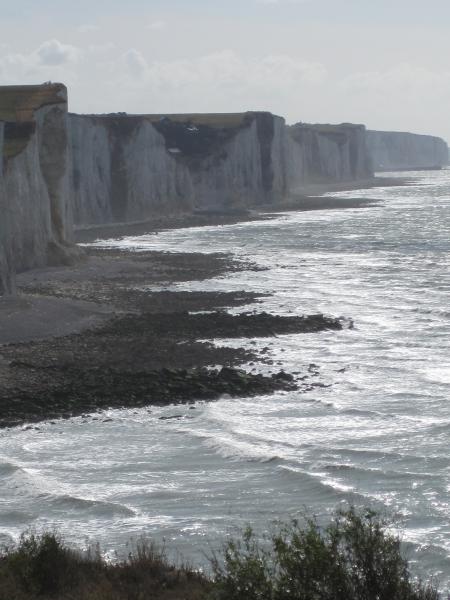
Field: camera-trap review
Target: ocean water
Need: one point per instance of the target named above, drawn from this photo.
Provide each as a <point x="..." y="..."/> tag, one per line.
<point x="376" y="434"/>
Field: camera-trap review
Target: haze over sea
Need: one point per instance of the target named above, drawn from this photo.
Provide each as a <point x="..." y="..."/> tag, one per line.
<point x="376" y="434"/>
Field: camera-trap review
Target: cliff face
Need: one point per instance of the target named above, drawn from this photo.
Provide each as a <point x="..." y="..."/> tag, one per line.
<point x="395" y="151"/>
<point x="121" y="171"/>
<point x="6" y="268"/>
<point x="128" y="168"/>
<point x="99" y="169"/>
<point x="57" y="169"/>
<point x="328" y="153"/>
<point x="36" y="217"/>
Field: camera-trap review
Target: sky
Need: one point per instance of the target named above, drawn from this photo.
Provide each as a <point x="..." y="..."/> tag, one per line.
<point x="382" y="63"/>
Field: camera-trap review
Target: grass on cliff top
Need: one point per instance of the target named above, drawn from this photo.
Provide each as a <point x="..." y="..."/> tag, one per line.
<point x="326" y="127"/>
<point x="216" y="120"/>
<point x="18" y="103"/>
<point x="213" y="120"/>
<point x="17" y="107"/>
<point x="353" y="558"/>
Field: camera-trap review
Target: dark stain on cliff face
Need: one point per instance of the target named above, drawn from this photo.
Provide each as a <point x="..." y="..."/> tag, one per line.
<point x="315" y="159"/>
<point x="266" y="132"/>
<point x="339" y="138"/>
<point x="76" y="178"/>
<point x="189" y="139"/>
<point x="353" y="154"/>
<point x="119" y="182"/>
<point x="192" y="142"/>
<point x="16" y="137"/>
<point x="7" y="271"/>
<point x="307" y="137"/>
<point x="120" y="130"/>
<point x="53" y="163"/>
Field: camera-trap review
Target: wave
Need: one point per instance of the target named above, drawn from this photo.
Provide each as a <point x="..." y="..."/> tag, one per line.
<point x="99" y="508"/>
<point x="439" y="427"/>
<point x="16" y="516"/>
<point x="361" y="412"/>
<point x="430" y="311"/>
<point x="234" y="448"/>
<point x="357" y="470"/>
<point x="363" y="452"/>
<point x="324" y="483"/>
<point x="8" y="468"/>
<point x="243" y="452"/>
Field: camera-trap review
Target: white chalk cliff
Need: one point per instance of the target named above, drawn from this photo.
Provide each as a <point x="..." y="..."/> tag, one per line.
<point x="397" y="151"/>
<point x="129" y="168"/>
<point x="59" y="170"/>
<point x="324" y="153"/>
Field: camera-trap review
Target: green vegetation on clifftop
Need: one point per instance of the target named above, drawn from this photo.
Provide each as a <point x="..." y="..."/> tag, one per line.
<point x="18" y="104"/>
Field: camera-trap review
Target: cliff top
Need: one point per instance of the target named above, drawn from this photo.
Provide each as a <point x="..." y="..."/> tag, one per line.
<point x="405" y="133"/>
<point x="222" y="120"/>
<point x="191" y="136"/>
<point x="327" y="127"/>
<point x="18" y="103"/>
<point x="213" y="120"/>
<point x="339" y="134"/>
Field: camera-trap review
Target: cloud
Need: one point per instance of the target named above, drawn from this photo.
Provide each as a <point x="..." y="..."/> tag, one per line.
<point x="134" y="63"/>
<point x="224" y="69"/>
<point x="403" y="97"/>
<point x="222" y="81"/>
<point x="404" y="78"/>
<point x="53" y="53"/>
<point x="51" y="60"/>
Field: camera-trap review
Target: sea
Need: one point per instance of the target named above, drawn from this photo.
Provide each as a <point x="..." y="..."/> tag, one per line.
<point x="375" y="432"/>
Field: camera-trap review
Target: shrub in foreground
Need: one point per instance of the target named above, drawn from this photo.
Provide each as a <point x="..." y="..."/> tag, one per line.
<point x="41" y="567"/>
<point x="353" y="558"/>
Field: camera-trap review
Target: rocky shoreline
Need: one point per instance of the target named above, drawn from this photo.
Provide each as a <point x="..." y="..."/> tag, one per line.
<point x="105" y="333"/>
<point x="96" y="335"/>
<point x="145" y="347"/>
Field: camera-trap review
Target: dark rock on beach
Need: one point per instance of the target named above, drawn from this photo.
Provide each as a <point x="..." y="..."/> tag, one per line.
<point x="144" y="347"/>
<point x="83" y="390"/>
